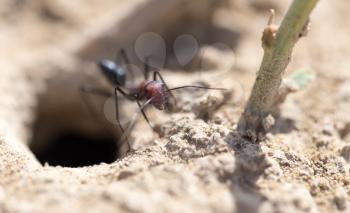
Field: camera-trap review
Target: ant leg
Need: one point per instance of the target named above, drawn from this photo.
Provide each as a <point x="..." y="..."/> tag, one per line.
<point x="94" y="91"/>
<point x="146" y="68"/>
<point x="117" y="117"/>
<point x="126" y="60"/>
<point x="144" y="114"/>
<point x="133" y="119"/>
<point x="124" y="56"/>
<point x="157" y="74"/>
<point x="125" y="94"/>
<point x="101" y="92"/>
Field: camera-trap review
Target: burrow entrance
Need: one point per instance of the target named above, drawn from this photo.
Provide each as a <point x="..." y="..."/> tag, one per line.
<point x="65" y="133"/>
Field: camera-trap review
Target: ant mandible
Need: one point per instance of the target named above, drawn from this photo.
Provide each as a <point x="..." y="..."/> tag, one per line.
<point x="153" y="92"/>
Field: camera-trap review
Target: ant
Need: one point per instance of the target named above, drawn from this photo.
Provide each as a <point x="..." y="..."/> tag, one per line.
<point x="153" y="92"/>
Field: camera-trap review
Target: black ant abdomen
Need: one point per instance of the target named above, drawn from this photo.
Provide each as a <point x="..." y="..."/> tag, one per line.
<point x="113" y="72"/>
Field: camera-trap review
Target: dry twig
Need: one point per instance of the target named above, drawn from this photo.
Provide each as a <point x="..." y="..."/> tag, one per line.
<point x="278" y="43"/>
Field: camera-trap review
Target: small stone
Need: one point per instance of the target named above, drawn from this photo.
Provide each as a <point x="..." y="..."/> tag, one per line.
<point x="328" y="129"/>
<point x="304" y="173"/>
<point x="340" y="198"/>
<point x="107" y="196"/>
<point x="172" y="147"/>
<point x="340" y="166"/>
<point x="323" y="184"/>
<point x="215" y="137"/>
<point x="186" y="153"/>
<point x="83" y="182"/>
<point x="125" y="174"/>
<point x="302" y="204"/>
<point x="314" y="187"/>
<point x="274" y="171"/>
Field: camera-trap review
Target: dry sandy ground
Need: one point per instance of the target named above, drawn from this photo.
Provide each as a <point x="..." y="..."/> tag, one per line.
<point x="196" y="161"/>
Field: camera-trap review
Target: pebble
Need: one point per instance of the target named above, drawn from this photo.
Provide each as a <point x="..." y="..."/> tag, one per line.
<point x="340" y="198"/>
<point x="323" y="184"/>
<point x="125" y="174"/>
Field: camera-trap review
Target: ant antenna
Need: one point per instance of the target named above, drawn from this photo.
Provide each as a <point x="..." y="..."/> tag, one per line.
<point x="126" y="60"/>
<point x="198" y="87"/>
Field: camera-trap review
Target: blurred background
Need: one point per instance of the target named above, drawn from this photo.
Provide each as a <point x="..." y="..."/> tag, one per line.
<point x="50" y="48"/>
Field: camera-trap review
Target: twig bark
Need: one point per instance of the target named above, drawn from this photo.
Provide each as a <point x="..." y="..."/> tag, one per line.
<point x="278" y="43"/>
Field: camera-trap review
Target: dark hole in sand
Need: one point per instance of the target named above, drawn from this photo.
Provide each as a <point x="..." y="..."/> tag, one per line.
<point x="74" y="150"/>
<point x="64" y="132"/>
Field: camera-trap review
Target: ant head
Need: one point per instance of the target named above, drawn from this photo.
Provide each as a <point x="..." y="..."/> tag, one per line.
<point x="113" y="72"/>
<point x="156" y="91"/>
